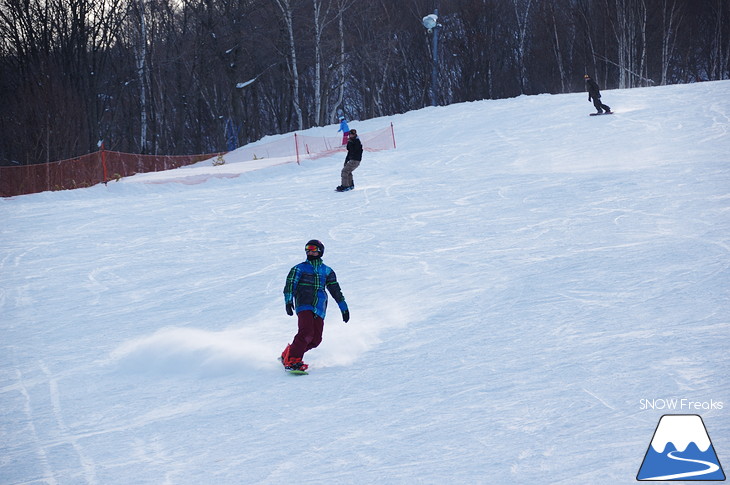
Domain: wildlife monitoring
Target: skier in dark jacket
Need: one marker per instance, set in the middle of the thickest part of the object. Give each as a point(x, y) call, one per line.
point(304, 293)
point(352, 161)
point(594, 94)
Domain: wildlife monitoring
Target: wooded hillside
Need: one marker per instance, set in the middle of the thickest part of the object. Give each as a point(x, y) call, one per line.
point(196, 76)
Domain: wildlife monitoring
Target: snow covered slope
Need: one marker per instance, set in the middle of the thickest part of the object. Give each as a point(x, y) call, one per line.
point(523, 279)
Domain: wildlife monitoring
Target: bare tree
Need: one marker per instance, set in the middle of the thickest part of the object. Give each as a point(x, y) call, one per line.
point(720, 53)
point(630, 20)
point(522, 15)
point(340, 70)
point(287, 17)
point(321, 13)
point(672, 13)
point(141, 59)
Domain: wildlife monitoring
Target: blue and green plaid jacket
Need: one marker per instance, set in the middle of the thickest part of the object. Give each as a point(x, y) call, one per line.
point(305, 287)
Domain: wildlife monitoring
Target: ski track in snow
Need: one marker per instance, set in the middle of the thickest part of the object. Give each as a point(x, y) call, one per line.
point(520, 275)
point(40, 450)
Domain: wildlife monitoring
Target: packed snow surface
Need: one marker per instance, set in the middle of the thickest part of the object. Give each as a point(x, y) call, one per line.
point(529, 288)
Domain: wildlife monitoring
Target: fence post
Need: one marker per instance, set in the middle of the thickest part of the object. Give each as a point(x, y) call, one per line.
point(392, 133)
point(296, 146)
point(103, 163)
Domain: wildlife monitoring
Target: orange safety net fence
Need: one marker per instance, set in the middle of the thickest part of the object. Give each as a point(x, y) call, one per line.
point(104, 165)
point(298, 147)
point(86, 170)
point(317, 147)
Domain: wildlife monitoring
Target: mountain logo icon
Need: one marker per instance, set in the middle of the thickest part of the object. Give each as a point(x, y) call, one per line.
point(681, 450)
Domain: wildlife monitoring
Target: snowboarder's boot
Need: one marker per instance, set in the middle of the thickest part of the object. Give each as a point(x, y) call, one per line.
point(295, 364)
point(285, 355)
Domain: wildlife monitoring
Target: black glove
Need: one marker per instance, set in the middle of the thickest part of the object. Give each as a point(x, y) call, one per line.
point(289, 309)
point(346, 316)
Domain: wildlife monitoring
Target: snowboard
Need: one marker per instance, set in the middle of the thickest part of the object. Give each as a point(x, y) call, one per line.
point(599, 114)
point(298, 372)
point(345, 190)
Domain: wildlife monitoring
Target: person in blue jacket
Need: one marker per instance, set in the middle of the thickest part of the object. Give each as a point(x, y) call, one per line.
point(304, 293)
point(344, 129)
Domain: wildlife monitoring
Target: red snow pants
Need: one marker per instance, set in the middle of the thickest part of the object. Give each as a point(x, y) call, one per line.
point(309, 335)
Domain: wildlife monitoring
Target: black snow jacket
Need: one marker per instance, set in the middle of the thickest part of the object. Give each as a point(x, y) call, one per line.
point(354, 149)
point(593, 90)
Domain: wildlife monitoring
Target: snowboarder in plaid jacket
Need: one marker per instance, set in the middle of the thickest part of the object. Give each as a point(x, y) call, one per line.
point(304, 293)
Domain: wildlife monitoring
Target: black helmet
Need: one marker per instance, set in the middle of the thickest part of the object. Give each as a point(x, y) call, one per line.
point(318, 244)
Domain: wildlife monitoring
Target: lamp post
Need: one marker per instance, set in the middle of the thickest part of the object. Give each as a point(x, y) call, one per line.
point(231, 130)
point(431, 22)
point(234, 127)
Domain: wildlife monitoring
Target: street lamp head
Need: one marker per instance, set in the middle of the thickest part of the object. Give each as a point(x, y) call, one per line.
point(430, 21)
point(243, 85)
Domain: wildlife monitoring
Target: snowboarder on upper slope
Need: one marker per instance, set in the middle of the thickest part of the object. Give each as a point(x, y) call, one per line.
point(594, 94)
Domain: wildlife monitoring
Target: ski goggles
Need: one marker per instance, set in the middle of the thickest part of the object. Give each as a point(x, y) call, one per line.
point(311, 248)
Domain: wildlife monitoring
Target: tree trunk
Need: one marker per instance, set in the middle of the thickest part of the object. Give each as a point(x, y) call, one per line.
point(522, 22)
point(341, 83)
point(142, 78)
point(671, 19)
point(558, 51)
point(286, 12)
